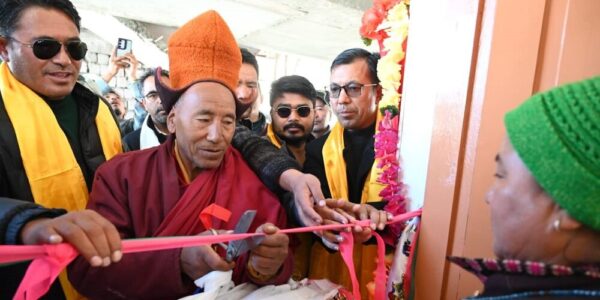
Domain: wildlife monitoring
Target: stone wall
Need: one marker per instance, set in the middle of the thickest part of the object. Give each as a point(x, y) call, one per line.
point(96, 62)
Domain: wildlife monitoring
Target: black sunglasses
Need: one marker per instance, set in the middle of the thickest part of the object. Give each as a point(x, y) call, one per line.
point(286, 111)
point(48, 48)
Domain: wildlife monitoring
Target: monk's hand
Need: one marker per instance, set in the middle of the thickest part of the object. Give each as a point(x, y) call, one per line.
point(307, 191)
point(266, 259)
point(199, 261)
point(378, 220)
point(94, 237)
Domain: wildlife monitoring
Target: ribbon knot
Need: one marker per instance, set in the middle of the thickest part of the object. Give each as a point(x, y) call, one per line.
point(46, 268)
point(61, 252)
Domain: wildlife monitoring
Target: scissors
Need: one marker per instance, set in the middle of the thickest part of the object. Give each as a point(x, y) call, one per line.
point(239, 247)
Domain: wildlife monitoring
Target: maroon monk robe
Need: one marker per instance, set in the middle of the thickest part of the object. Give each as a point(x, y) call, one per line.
point(138, 191)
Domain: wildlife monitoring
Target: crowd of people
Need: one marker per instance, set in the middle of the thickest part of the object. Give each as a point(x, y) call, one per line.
point(198, 139)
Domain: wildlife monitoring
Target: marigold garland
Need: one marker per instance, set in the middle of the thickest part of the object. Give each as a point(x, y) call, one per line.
point(387, 22)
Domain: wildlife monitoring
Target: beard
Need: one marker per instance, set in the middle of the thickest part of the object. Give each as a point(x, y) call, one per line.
point(294, 140)
point(117, 111)
point(160, 117)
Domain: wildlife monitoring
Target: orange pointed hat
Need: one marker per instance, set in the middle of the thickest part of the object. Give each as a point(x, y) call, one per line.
point(204, 49)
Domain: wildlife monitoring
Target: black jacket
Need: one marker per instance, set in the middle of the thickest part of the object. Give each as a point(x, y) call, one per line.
point(259, 127)
point(13, 180)
point(314, 165)
point(14, 183)
point(14, 214)
point(126, 126)
point(131, 141)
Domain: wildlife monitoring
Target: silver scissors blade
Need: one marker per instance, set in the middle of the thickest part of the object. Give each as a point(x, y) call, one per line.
point(246, 245)
point(236, 248)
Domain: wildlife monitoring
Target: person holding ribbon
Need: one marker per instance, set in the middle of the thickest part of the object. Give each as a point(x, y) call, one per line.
point(344, 160)
point(161, 191)
point(54, 131)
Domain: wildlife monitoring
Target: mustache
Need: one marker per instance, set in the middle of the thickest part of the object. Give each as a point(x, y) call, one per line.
point(160, 109)
point(294, 125)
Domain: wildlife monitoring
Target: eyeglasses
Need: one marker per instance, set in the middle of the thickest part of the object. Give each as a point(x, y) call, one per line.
point(351, 89)
point(152, 96)
point(48, 48)
point(285, 111)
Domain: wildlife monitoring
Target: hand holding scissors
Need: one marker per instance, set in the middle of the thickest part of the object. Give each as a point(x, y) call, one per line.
point(266, 259)
point(198, 261)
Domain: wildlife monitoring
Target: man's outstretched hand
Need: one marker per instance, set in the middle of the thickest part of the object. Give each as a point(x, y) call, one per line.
point(307, 192)
point(94, 237)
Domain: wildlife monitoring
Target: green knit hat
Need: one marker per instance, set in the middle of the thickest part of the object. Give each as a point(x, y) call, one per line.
point(557, 135)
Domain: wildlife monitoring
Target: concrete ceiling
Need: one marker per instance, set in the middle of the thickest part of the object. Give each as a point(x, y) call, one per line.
point(313, 28)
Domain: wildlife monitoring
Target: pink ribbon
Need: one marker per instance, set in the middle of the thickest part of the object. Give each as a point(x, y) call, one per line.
point(50, 260)
point(347, 252)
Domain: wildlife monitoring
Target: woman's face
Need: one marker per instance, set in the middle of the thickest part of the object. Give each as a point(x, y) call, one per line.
point(522, 213)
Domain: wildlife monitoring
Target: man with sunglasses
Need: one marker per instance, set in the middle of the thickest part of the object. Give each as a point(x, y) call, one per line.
point(153, 131)
point(348, 152)
point(292, 115)
point(292, 102)
point(54, 131)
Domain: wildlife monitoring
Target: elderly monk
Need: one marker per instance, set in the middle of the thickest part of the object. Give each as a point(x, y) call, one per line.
point(161, 191)
point(545, 200)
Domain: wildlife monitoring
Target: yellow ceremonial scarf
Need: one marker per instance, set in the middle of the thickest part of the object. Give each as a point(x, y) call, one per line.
point(335, 170)
point(272, 137)
point(53, 173)
point(324, 264)
point(184, 171)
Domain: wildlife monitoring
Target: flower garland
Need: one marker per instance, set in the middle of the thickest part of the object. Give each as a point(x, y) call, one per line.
point(387, 22)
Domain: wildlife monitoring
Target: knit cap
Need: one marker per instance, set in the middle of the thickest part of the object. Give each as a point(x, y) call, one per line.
point(203, 49)
point(557, 135)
